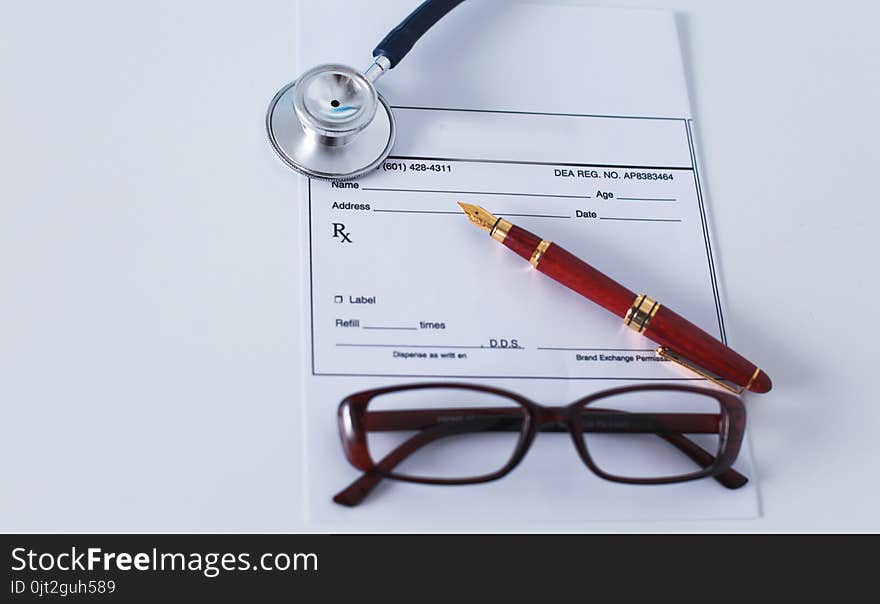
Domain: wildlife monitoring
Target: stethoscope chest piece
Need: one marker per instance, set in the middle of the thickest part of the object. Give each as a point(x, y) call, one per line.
point(331, 123)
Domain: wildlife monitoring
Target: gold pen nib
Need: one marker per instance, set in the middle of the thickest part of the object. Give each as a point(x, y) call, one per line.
point(479, 216)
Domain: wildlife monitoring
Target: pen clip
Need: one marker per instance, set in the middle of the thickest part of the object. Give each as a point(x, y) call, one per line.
point(670, 355)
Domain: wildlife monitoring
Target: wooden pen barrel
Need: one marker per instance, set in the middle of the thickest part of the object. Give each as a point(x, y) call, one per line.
point(579, 276)
point(571, 271)
point(646, 316)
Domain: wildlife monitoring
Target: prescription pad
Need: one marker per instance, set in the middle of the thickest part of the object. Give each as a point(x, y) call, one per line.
point(578, 146)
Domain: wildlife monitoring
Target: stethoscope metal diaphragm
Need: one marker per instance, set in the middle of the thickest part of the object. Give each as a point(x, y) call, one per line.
point(331, 123)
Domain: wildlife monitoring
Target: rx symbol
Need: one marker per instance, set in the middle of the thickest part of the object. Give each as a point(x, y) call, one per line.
point(339, 233)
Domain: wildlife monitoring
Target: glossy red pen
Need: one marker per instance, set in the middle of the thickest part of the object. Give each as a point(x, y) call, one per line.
point(679, 340)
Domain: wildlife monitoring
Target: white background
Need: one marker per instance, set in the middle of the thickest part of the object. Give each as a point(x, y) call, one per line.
point(149, 337)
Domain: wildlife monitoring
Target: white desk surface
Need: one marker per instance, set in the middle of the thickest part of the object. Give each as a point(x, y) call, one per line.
point(149, 342)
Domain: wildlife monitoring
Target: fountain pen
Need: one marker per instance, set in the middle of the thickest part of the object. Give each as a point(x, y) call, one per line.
point(679, 340)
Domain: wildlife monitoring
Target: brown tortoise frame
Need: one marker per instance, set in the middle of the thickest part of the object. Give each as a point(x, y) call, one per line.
point(355, 421)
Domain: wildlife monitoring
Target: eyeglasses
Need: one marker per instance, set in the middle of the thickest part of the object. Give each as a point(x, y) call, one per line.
point(448, 433)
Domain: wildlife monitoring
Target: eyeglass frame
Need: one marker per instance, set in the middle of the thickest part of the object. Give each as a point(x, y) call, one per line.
point(353, 433)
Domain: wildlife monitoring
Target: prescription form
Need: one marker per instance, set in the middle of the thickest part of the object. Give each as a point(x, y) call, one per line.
point(588, 143)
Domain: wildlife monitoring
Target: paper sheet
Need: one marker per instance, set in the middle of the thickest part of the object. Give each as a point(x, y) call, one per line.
point(588, 143)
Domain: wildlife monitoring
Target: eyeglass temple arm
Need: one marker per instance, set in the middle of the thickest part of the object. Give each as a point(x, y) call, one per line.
point(358, 490)
point(593, 420)
point(432, 429)
point(668, 426)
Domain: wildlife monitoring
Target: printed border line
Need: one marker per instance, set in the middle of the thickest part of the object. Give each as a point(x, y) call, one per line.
point(709, 254)
point(311, 280)
point(511, 377)
point(511, 112)
point(538, 163)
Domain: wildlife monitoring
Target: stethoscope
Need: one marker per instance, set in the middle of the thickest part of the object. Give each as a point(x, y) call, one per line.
point(331, 122)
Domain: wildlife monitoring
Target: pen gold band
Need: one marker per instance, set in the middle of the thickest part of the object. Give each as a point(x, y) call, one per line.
point(639, 315)
point(500, 230)
point(539, 252)
point(752, 379)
